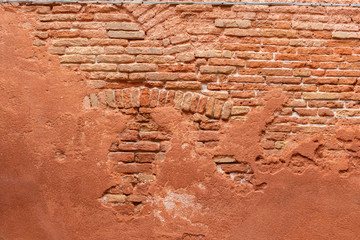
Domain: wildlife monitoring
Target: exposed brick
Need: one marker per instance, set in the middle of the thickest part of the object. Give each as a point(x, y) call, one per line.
point(111, 17)
point(229, 23)
point(116, 77)
point(115, 198)
point(162, 98)
point(98, 67)
point(77, 59)
point(142, 50)
point(306, 112)
point(70, 42)
point(177, 49)
point(126, 97)
point(162, 76)
point(347, 113)
point(237, 110)
point(183, 85)
point(127, 34)
point(186, 102)
point(345, 35)
point(193, 8)
point(57, 17)
point(325, 112)
point(136, 198)
point(137, 67)
point(85, 50)
point(135, 97)
point(225, 62)
point(155, 59)
point(181, 38)
point(170, 98)
point(139, 146)
point(185, 57)
point(218, 108)
point(115, 59)
point(154, 136)
point(213, 54)
point(210, 125)
point(56, 50)
point(202, 104)
point(145, 157)
point(127, 26)
point(121, 157)
point(178, 99)
point(241, 32)
point(209, 110)
point(154, 97)
point(226, 111)
point(110, 98)
point(148, 127)
point(207, 136)
point(108, 42)
point(217, 69)
point(308, 25)
point(146, 177)
point(194, 103)
point(302, 72)
point(320, 96)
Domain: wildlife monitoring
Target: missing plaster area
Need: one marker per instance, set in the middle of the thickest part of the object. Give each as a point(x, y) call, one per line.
point(131, 162)
point(241, 173)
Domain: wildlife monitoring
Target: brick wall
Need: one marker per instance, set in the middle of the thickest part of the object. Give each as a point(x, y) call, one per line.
point(215, 64)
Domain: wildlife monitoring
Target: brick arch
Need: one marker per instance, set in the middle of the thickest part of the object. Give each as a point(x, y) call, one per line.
point(129, 99)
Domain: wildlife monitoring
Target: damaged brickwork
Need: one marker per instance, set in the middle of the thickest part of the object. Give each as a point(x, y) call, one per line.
point(247, 92)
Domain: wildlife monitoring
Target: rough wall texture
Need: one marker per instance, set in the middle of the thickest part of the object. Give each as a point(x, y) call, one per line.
point(179, 122)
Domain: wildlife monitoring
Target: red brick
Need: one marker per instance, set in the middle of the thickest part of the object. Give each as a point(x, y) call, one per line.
point(207, 136)
point(242, 94)
point(210, 125)
point(226, 62)
point(246, 79)
point(194, 103)
point(162, 98)
point(126, 34)
point(183, 85)
point(145, 97)
point(160, 76)
point(306, 112)
point(209, 110)
point(217, 69)
point(127, 98)
point(186, 102)
point(145, 157)
point(170, 98)
point(218, 108)
point(202, 104)
point(325, 112)
point(139, 146)
point(154, 97)
point(121, 157)
point(154, 136)
point(193, 8)
point(115, 59)
point(137, 67)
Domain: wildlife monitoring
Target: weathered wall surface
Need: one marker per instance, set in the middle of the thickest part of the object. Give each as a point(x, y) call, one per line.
point(179, 122)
